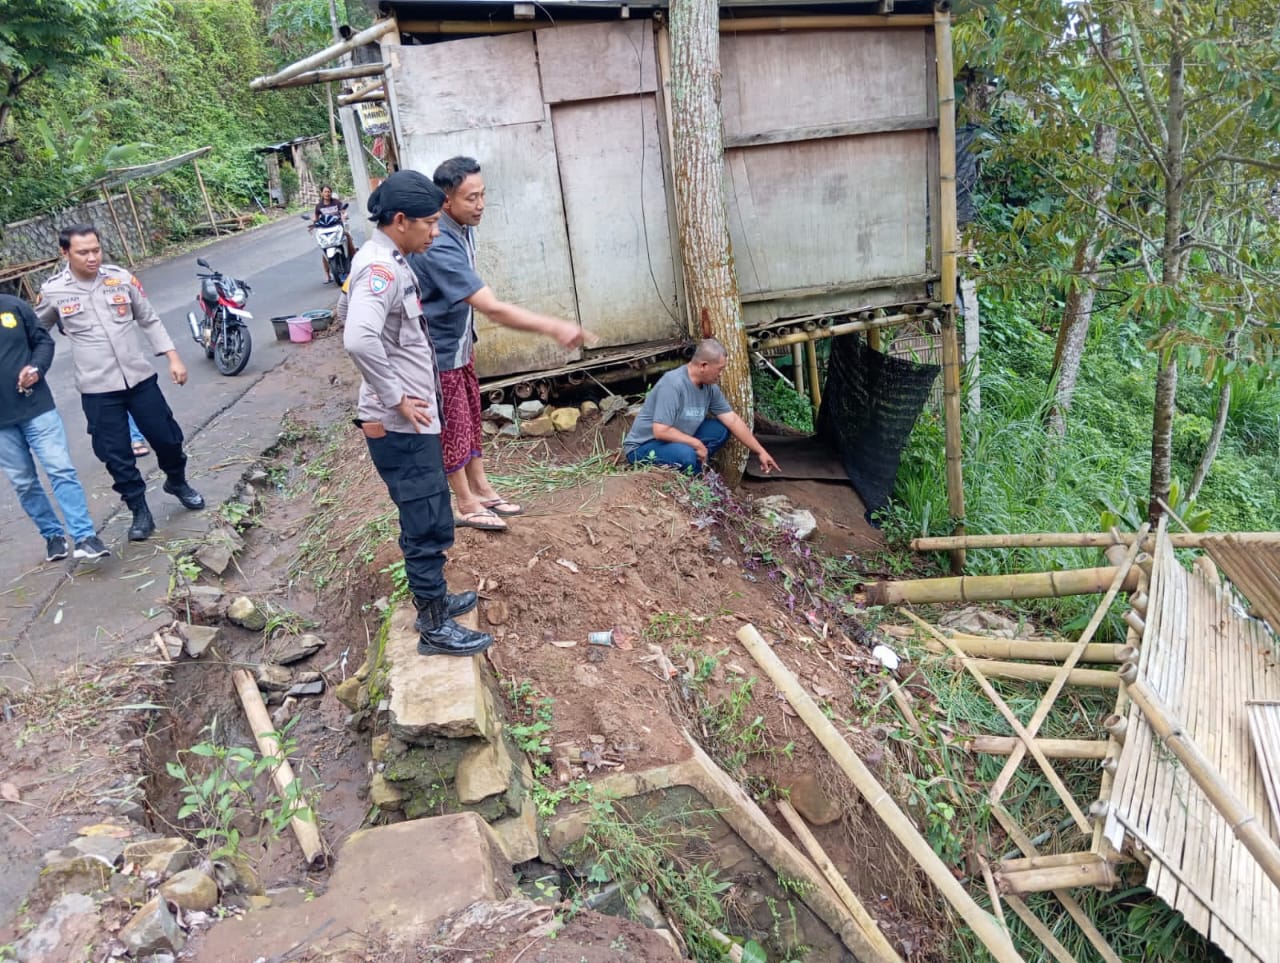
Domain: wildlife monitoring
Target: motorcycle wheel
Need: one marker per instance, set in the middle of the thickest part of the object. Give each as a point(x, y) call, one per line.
point(339, 267)
point(231, 351)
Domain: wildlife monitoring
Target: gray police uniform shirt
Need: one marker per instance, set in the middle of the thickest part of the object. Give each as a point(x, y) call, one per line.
point(106, 320)
point(386, 335)
point(675, 401)
point(447, 272)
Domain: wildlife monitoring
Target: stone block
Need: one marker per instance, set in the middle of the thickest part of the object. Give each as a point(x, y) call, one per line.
point(484, 770)
point(811, 801)
point(348, 692)
point(383, 794)
point(69, 925)
point(518, 835)
point(203, 602)
point(538, 427)
point(153, 929)
point(565, 419)
point(439, 696)
point(164, 857)
point(588, 408)
point(244, 613)
point(532, 408)
point(198, 638)
point(294, 649)
point(191, 890)
point(379, 745)
point(216, 553)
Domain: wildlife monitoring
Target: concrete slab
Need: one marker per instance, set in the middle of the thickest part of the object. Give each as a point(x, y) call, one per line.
point(432, 695)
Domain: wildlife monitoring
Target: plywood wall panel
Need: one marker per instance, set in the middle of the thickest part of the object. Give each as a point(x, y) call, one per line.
point(597, 60)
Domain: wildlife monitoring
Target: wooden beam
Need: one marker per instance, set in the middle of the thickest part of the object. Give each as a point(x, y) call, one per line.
point(829, 22)
point(857, 128)
point(455, 27)
point(321, 58)
point(848, 287)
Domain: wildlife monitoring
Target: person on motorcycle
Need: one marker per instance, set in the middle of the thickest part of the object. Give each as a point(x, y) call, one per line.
point(330, 204)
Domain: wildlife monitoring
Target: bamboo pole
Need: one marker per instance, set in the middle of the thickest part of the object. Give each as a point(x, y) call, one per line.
point(993, 891)
point(264, 732)
point(903, 701)
point(835, 330)
point(983, 925)
point(945, 543)
point(980, 588)
point(111, 208)
point(205, 194)
point(847, 896)
point(137, 221)
point(1042, 932)
point(1027, 672)
point(1081, 858)
point(815, 384)
point(1003, 708)
point(797, 368)
point(1098, 873)
point(829, 22)
point(1029, 650)
point(1052, 748)
point(873, 340)
point(332, 73)
point(1244, 824)
point(322, 57)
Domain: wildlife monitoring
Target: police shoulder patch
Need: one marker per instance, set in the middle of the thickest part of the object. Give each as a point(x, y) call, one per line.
point(380, 278)
point(137, 284)
point(8, 320)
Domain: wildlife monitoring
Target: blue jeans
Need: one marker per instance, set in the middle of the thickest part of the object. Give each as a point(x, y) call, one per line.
point(676, 454)
point(45, 437)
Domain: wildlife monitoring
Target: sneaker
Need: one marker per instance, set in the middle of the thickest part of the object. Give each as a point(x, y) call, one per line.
point(91, 548)
point(55, 548)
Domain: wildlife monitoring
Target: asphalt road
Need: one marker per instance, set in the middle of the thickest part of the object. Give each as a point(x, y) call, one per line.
point(281, 263)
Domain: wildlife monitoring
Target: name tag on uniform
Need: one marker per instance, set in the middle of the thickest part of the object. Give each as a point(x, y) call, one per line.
point(112, 282)
point(412, 306)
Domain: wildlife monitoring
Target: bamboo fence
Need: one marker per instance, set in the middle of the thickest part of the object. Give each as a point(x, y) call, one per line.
point(1188, 788)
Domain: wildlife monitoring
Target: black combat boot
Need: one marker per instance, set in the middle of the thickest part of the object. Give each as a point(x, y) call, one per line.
point(184, 493)
point(143, 525)
point(440, 635)
point(455, 605)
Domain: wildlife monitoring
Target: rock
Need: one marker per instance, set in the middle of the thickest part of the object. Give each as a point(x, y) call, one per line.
point(67, 927)
point(258, 476)
point(129, 890)
point(236, 877)
point(811, 800)
point(771, 504)
point(588, 408)
point(313, 688)
point(778, 511)
point(191, 890)
point(518, 835)
point(502, 414)
point(489, 427)
point(613, 403)
point(495, 612)
point(199, 638)
point(203, 602)
point(244, 613)
point(378, 746)
point(280, 718)
point(432, 696)
point(153, 929)
point(383, 794)
point(170, 643)
point(163, 857)
point(509, 431)
point(538, 427)
point(565, 419)
point(216, 553)
point(645, 912)
point(530, 409)
point(84, 874)
point(802, 523)
point(257, 901)
point(290, 650)
point(348, 693)
point(106, 849)
point(272, 678)
point(484, 770)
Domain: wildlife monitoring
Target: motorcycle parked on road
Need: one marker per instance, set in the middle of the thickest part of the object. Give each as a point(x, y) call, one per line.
point(222, 327)
point(331, 235)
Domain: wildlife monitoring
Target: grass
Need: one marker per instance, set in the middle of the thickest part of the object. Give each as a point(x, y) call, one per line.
point(539, 476)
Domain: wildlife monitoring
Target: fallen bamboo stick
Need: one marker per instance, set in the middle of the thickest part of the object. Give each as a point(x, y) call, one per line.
point(1098, 873)
point(993, 891)
point(986, 588)
point(1096, 652)
point(903, 701)
point(847, 896)
point(264, 732)
point(1050, 860)
point(984, 926)
point(1042, 932)
point(945, 543)
point(1003, 708)
point(1053, 748)
point(1091, 678)
point(1244, 824)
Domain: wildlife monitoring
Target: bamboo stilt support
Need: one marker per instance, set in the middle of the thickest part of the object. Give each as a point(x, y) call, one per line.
point(264, 732)
point(1052, 748)
point(874, 340)
point(847, 896)
point(1117, 725)
point(986, 588)
point(1135, 621)
point(111, 208)
point(797, 368)
point(205, 194)
point(815, 384)
point(1069, 902)
point(1100, 653)
point(1003, 707)
point(945, 543)
point(1244, 824)
point(1042, 932)
point(1098, 873)
point(1088, 678)
point(137, 221)
point(983, 925)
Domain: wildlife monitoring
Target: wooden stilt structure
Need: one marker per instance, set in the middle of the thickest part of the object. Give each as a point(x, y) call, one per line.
point(137, 221)
point(213, 221)
point(124, 241)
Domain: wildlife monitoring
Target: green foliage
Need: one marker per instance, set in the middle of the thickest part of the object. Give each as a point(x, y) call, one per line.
point(779, 401)
point(218, 791)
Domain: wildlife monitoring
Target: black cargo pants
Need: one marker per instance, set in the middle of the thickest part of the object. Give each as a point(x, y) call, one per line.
point(412, 466)
point(107, 414)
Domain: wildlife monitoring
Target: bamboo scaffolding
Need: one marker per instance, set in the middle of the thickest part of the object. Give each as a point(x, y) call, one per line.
point(1015, 723)
point(847, 896)
point(1244, 824)
point(1052, 748)
point(264, 732)
point(987, 588)
point(1102, 653)
point(944, 543)
point(322, 57)
point(983, 925)
point(1026, 672)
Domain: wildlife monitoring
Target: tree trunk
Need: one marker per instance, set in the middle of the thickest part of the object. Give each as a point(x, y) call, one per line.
point(1215, 439)
point(1077, 313)
point(697, 138)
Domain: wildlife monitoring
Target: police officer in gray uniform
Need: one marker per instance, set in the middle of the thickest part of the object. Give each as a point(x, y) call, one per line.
point(104, 311)
point(398, 407)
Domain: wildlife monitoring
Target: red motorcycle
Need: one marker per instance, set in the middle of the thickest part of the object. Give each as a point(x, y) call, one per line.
point(222, 328)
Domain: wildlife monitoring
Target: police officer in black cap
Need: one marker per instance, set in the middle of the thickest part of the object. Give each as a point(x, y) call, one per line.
point(399, 413)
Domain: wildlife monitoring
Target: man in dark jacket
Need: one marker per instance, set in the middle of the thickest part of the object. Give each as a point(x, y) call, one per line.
point(30, 426)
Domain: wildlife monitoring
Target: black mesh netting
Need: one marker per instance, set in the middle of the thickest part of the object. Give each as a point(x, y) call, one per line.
point(869, 404)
